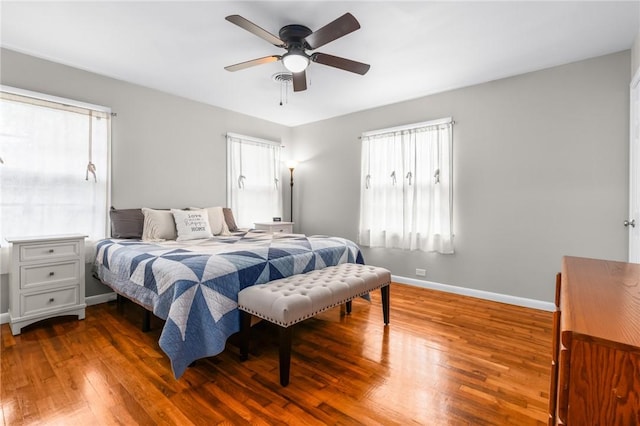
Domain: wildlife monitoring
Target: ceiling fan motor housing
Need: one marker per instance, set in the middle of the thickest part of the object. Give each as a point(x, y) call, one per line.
point(293, 35)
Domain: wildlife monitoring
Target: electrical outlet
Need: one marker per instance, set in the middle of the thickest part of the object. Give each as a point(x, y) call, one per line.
point(421, 272)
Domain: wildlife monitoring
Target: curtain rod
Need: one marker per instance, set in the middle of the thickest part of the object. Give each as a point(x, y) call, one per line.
point(22, 95)
point(251, 139)
point(447, 120)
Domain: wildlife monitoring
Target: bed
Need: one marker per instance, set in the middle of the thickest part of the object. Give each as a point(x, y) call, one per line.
point(193, 285)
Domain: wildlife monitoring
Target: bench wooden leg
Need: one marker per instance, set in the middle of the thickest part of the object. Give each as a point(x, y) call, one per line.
point(385, 303)
point(348, 306)
point(245, 334)
point(285, 354)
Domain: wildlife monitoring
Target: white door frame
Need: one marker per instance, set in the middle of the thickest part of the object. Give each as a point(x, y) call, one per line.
point(634, 160)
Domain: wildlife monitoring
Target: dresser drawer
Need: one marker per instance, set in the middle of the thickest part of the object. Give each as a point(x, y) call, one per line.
point(51, 274)
point(36, 303)
point(49, 251)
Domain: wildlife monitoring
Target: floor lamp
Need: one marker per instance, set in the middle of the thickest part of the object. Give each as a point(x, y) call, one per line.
point(292, 165)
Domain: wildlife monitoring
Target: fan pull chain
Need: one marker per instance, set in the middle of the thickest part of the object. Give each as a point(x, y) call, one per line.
point(284, 92)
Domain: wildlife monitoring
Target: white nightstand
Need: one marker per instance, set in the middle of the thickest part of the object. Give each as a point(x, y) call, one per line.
point(46, 279)
point(275, 227)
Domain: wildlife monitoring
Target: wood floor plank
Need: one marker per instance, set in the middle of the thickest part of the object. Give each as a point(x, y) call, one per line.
point(445, 359)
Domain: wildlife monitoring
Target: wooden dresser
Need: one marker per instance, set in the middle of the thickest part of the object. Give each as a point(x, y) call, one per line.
point(595, 376)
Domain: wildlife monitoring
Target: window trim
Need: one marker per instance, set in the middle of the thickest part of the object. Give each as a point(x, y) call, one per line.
point(73, 106)
point(401, 130)
point(69, 105)
point(229, 163)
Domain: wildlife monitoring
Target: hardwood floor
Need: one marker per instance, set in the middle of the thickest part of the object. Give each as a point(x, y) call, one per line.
point(444, 360)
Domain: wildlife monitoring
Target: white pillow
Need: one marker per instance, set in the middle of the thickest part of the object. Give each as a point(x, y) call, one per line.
point(158, 225)
point(216, 221)
point(192, 224)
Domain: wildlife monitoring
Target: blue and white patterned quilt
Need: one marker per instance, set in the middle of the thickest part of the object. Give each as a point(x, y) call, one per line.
point(194, 285)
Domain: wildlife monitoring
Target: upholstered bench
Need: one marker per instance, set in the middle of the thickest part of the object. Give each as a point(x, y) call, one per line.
point(288, 301)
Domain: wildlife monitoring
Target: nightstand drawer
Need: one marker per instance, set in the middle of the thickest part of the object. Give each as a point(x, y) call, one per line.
point(49, 251)
point(52, 274)
point(35, 303)
point(275, 227)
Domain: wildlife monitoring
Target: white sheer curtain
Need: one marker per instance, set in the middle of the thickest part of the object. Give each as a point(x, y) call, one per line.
point(54, 174)
point(254, 191)
point(406, 193)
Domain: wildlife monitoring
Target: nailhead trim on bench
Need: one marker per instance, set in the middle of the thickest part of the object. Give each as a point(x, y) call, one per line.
point(307, 316)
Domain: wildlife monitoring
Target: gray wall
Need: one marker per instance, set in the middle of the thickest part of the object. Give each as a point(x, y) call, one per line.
point(540, 171)
point(167, 151)
point(540, 165)
point(635, 55)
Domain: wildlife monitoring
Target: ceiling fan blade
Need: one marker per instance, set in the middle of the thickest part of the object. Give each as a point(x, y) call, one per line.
point(299, 81)
point(342, 63)
point(253, 63)
point(342, 26)
point(254, 29)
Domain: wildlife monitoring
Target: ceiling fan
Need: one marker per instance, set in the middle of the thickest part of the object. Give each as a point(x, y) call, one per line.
point(297, 39)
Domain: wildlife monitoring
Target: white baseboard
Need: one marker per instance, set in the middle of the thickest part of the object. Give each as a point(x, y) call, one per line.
point(480, 294)
point(91, 300)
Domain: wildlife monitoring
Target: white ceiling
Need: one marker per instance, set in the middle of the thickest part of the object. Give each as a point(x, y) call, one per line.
point(414, 48)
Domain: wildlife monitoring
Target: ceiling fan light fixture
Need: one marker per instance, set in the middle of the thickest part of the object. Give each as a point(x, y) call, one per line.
point(295, 61)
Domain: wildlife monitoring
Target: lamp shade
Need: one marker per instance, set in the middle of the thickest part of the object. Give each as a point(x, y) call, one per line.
point(295, 61)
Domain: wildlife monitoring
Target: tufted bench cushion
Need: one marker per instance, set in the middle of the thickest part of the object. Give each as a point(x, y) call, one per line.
point(293, 299)
point(290, 300)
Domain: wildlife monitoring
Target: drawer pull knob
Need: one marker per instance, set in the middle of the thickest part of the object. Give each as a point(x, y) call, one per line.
point(51, 273)
point(51, 250)
point(51, 300)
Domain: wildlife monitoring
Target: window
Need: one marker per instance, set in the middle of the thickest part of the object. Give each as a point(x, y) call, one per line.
point(54, 168)
point(406, 193)
point(253, 179)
